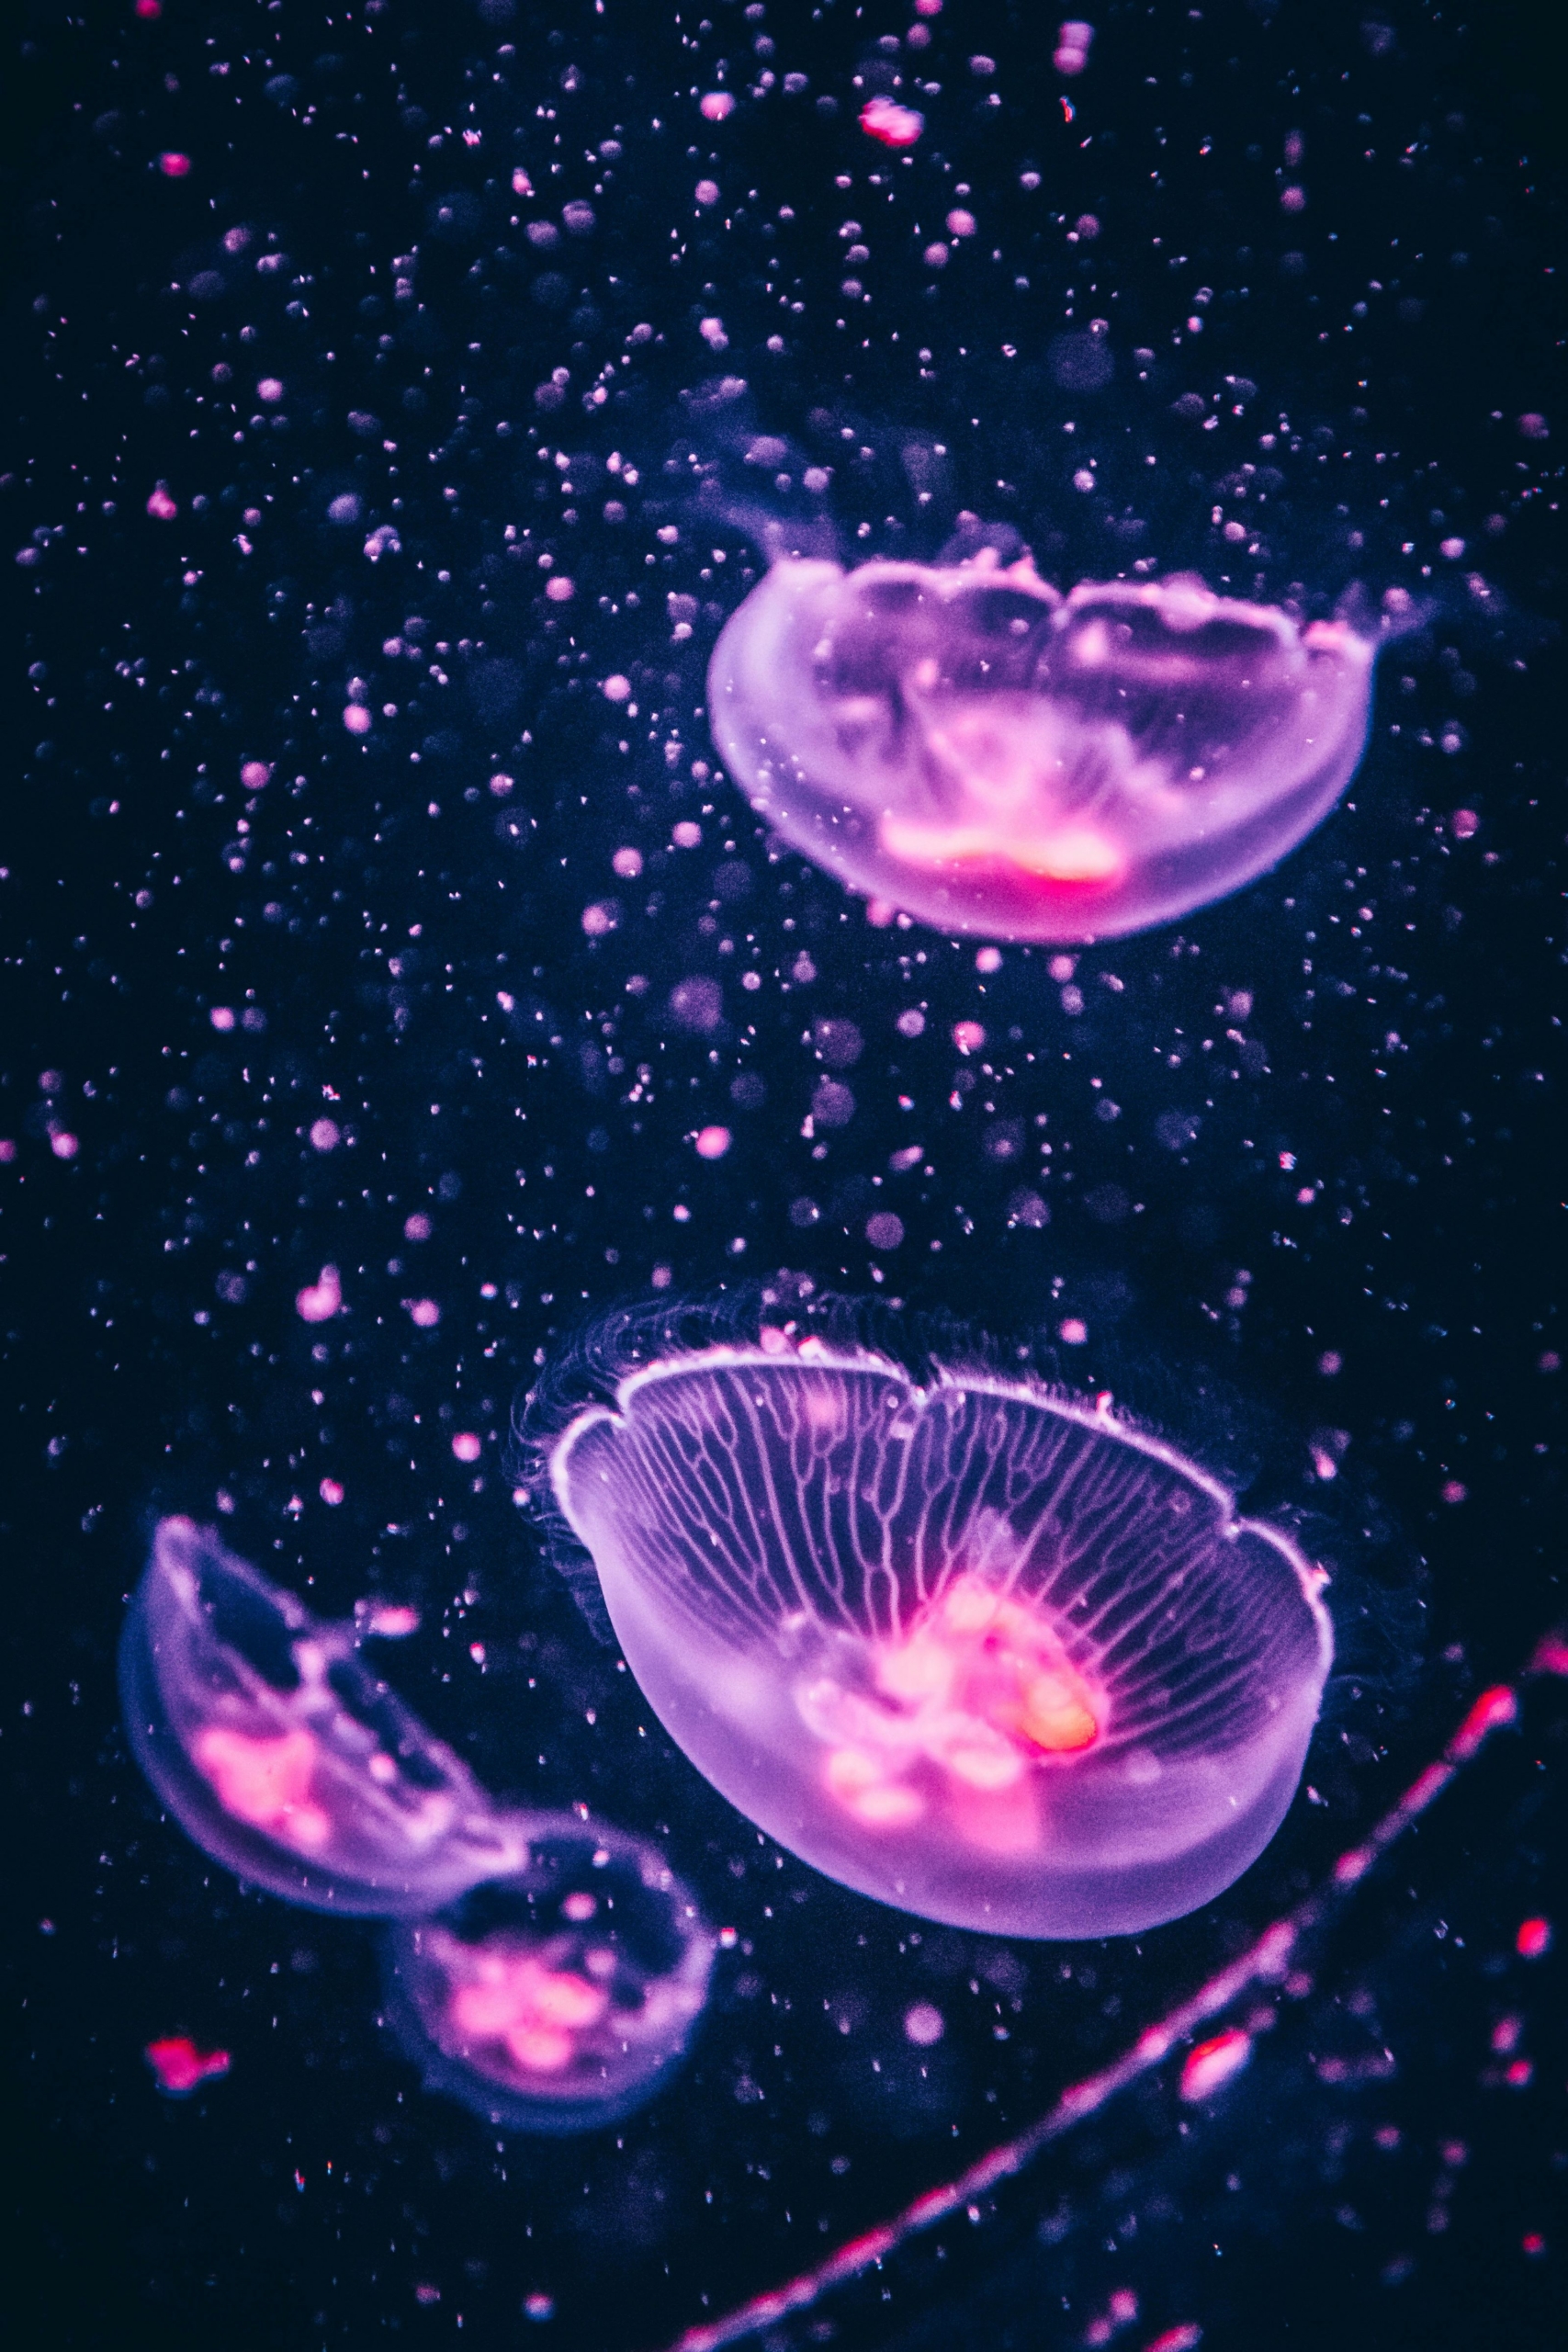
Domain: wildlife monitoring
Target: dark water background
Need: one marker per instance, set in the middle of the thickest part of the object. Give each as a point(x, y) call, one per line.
point(404, 953)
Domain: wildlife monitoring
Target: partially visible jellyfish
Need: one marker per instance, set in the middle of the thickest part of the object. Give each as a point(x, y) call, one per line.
point(974, 1648)
point(557, 1998)
point(996, 758)
point(278, 1751)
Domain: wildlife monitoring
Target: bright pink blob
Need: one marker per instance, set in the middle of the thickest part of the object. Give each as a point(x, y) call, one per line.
point(890, 124)
point(973, 1648)
point(972, 747)
point(180, 2067)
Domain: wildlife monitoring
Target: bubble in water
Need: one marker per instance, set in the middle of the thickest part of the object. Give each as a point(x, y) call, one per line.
point(555, 1998)
point(278, 1751)
point(973, 1647)
point(996, 758)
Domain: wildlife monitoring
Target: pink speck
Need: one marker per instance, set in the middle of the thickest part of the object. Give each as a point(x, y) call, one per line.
point(1185, 2338)
point(223, 1017)
point(968, 1036)
point(600, 918)
point(1533, 2243)
point(1215, 2062)
point(1533, 1939)
point(890, 124)
point(628, 864)
point(520, 184)
point(173, 165)
point(161, 507)
point(880, 913)
point(924, 2024)
point(1466, 824)
point(706, 192)
point(1454, 1490)
point(269, 388)
point(64, 1145)
point(1292, 199)
point(423, 1312)
point(713, 1142)
point(501, 785)
point(617, 688)
point(176, 2062)
point(7, 1150)
point(718, 105)
point(935, 256)
point(320, 1300)
point(417, 1227)
point(989, 959)
point(1532, 426)
point(254, 774)
point(1330, 1363)
point(392, 1620)
point(540, 2307)
point(467, 1445)
point(885, 1231)
point(928, 7)
point(331, 1493)
point(961, 223)
point(560, 590)
point(686, 834)
point(326, 1135)
point(356, 719)
point(149, 10)
point(1072, 1333)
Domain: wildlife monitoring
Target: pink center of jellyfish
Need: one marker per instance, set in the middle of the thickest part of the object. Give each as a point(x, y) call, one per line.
point(533, 2011)
point(265, 1783)
point(979, 1691)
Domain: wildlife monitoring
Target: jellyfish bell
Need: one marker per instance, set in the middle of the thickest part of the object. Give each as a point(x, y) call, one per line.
point(996, 758)
point(969, 1646)
point(279, 1752)
point(557, 1998)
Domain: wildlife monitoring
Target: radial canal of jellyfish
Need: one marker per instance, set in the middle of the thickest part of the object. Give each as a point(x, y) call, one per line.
point(975, 1648)
point(554, 1999)
point(282, 1754)
point(996, 758)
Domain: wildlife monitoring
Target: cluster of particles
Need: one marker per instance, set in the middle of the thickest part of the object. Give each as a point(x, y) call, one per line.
point(545, 1970)
point(975, 1648)
point(967, 744)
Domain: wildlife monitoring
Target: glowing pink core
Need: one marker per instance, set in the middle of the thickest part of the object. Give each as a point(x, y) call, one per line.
point(266, 1782)
point(981, 1689)
point(536, 2012)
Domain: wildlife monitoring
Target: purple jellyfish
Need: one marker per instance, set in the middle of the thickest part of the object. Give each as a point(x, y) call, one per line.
point(975, 1648)
point(555, 1999)
point(277, 1750)
point(996, 758)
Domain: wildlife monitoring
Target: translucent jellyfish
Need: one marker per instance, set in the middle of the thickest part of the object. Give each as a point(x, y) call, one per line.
point(279, 1752)
point(996, 758)
point(975, 1648)
point(557, 1998)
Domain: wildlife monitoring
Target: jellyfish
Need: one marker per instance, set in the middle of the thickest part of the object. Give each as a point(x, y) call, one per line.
point(993, 757)
point(278, 1751)
point(557, 1998)
point(973, 1647)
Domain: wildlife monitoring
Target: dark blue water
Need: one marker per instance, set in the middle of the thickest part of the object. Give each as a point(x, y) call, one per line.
point(1285, 1180)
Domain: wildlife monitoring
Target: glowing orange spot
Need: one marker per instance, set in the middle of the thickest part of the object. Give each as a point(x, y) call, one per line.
point(266, 1782)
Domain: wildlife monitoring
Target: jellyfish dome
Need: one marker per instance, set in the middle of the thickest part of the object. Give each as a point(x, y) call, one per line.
point(996, 758)
point(972, 1647)
point(555, 1998)
point(278, 1751)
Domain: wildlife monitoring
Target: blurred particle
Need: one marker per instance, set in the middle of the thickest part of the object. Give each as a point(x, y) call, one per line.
point(1215, 2062)
point(320, 1300)
point(173, 165)
point(161, 507)
point(467, 1445)
point(325, 1135)
point(180, 2067)
point(924, 2024)
point(1074, 40)
point(890, 124)
point(713, 1142)
point(1534, 1938)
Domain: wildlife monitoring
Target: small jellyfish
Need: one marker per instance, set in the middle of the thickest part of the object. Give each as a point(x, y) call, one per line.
point(557, 1998)
point(278, 1751)
point(996, 758)
point(973, 1648)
